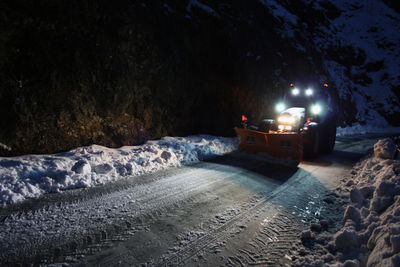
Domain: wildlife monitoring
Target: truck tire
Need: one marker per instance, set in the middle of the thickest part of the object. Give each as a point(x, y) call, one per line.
point(331, 140)
point(312, 149)
point(328, 143)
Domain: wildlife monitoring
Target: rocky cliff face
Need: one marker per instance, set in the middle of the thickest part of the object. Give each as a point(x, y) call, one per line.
point(74, 73)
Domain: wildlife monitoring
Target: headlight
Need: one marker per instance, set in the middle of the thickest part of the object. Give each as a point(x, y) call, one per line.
point(316, 109)
point(286, 119)
point(282, 127)
point(309, 92)
point(280, 107)
point(295, 91)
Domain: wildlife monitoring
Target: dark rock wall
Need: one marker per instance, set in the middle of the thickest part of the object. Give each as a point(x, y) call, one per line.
point(115, 73)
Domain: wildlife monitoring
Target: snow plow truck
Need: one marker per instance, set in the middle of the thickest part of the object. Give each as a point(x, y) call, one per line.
point(305, 126)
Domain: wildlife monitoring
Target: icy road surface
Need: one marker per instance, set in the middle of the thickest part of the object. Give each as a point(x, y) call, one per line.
point(232, 210)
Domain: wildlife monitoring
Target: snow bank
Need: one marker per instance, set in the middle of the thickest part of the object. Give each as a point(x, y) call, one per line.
point(366, 129)
point(204, 7)
point(370, 234)
point(31, 176)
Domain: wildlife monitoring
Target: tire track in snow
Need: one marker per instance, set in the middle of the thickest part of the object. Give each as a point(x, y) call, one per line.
point(59, 230)
point(182, 256)
point(20, 231)
point(275, 242)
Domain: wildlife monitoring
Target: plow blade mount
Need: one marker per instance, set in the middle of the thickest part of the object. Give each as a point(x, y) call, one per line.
point(282, 148)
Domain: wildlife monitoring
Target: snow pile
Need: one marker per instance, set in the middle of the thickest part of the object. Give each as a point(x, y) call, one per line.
point(366, 129)
point(204, 7)
point(280, 12)
point(370, 235)
point(5, 147)
point(31, 176)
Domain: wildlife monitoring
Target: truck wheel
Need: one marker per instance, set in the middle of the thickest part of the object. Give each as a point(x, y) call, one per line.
point(316, 144)
point(313, 148)
point(330, 138)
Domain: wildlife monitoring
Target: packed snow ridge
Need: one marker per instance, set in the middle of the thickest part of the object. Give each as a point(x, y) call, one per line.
point(31, 176)
point(357, 128)
point(370, 234)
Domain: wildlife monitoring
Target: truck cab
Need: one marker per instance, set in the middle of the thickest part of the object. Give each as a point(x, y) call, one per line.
point(306, 110)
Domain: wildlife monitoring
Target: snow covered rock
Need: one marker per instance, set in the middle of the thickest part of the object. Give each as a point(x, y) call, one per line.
point(351, 263)
point(379, 204)
point(353, 214)
point(82, 167)
point(103, 168)
point(356, 196)
point(386, 188)
point(394, 229)
point(306, 236)
point(166, 155)
point(346, 240)
point(329, 199)
point(395, 241)
point(380, 251)
point(384, 148)
point(367, 190)
point(324, 224)
point(315, 227)
point(395, 261)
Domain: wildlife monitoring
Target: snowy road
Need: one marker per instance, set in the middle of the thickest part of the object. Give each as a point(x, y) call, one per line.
point(229, 211)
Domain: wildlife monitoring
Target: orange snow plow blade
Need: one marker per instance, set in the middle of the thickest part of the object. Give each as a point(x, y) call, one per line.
point(284, 148)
